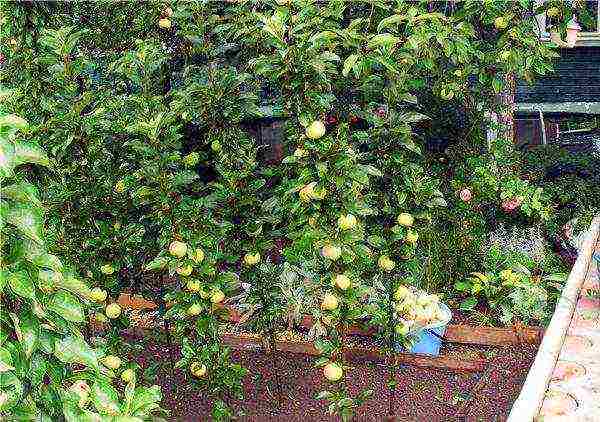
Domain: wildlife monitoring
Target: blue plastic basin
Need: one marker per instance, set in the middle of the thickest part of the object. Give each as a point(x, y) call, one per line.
point(428, 343)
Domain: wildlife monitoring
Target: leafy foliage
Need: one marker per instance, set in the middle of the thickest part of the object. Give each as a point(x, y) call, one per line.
point(43, 310)
point(343, 144)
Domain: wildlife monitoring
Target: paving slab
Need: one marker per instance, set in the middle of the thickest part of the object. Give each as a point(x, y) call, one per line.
point(573, 394)
point(563, 384)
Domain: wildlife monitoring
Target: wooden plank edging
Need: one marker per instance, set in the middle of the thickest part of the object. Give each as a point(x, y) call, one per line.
point(527, 406)
point(455, 333)
point(244, 342)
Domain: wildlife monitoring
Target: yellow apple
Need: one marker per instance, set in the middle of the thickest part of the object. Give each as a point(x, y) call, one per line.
point(193, 285)
point(342, 282)
point(107, 269)
point(385, 263)
point(128, 375)
point(402, 328)
point(552, 12)
point(346, 222)
point(331, 252)
point(401, 293)
point(216, 146)
point(100, 317)
point(194, 309)
point(185, 270)
point(300, 153)
point(164, 23)
point(412, 237)
point(198, 255)
point(252, 259)
point(198, 369)
point(333, 372)
point(307, 192)
point(111, 361)
point(98, 294)
point(500, 23)
point(178, 249)
point(120, 186)
point(329, 302)
point(113, 310)
point(316, 130)
point(217, 296)
point(405, 219)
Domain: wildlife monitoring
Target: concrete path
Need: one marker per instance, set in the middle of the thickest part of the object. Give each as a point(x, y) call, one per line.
point(573, 394)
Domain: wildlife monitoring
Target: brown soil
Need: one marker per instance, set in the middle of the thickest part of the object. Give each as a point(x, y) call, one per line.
point(422, 394)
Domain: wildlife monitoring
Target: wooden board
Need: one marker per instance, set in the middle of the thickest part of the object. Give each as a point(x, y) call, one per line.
point(255, 343)
point(492, 336)
point(466, 334)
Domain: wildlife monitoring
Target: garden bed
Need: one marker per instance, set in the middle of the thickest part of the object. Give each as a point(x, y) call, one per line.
point(479, 370)
point(432, 394)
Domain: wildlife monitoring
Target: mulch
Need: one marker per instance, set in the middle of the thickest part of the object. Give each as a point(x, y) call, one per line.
point(421, 394)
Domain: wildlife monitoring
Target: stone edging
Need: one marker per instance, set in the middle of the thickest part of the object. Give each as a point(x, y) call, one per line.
point(529, 402)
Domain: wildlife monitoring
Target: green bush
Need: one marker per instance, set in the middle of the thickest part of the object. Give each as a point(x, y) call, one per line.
point(570, 180)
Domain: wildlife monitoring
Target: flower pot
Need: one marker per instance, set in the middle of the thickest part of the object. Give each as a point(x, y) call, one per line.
point(429, 338)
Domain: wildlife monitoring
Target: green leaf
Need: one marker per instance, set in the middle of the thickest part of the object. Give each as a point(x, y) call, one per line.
point(556, 277)
point(461, 286)
point(6, 360)
point(73, 285)
point(389, 21)
point(67, 306)
point(145, 400)
point(349, 64)
point(30, 332)
point(383, 40)
point(21, 192)
point(105, 398)
point(468, 304)
point(320, 37)
point(20, 283)
point(27, 153)
point(376, 241)
point(12, 387)
point(413, 117)
point(46, 260)
point(38, 367)
point(185, 177)
point(27, 220)
point(158, 263)
point(7, 158)
point(373, 171)
point(74, 349)
point(12, 122)
point(437, 202)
